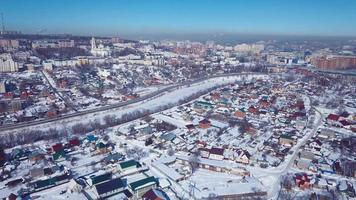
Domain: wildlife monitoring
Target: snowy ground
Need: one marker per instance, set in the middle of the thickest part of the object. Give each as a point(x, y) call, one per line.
point(165, 99)
point(59, 192)
point(203, 183)
point(146, 90)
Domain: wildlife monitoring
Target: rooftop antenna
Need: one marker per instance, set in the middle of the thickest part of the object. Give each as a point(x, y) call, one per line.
point(2, 23)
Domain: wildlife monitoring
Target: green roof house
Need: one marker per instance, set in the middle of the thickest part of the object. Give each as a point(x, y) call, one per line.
point(128, 165)
point(140, 187)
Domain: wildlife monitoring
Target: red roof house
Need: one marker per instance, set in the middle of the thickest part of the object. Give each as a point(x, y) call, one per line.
point(57, 147)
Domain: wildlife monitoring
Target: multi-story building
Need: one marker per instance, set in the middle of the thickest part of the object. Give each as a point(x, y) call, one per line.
point(334, 62)
point(65, 43)
point(47, 66)
point(254, 48)
point(43, 44)
point(7, 64)
point(9, 44)
point(2, 87)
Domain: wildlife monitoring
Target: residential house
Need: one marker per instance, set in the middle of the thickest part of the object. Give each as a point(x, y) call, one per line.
point(333, 119)
point(345, 123)
point(12, 196)
point(327, 134)
point(57, 147)
point(190, 127)
point(36, 156)
point(168, 137)
point(50, 182)
point(302, 181)
point(36, 172)
point(155, 194)
point(204, 152)
point(171, 173)
point(19, 154)
point(113, 158)
point(91, 138)
point(101, 148)
point(214, 165)
point(305, 154)
point(109, 188)
point(140, 187)
point(74, 142)
point(316, 145)
point(129, 165)
point(204, 124)
point(203, 105)
point(253, 110)
point(59, 156)
point(216, 153)
point(286, 140)
point(242, 156)
point(43, 184)
point(239, 114)
point(303, 164)
point(96, 179)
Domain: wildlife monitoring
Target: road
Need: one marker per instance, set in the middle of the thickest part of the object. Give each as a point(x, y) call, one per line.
point(117, 105)
point(290, 163)
point(66, 102)
point(304, 140)
point(277, 172)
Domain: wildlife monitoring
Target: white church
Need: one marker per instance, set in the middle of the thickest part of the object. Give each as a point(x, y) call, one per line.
point(99, 50)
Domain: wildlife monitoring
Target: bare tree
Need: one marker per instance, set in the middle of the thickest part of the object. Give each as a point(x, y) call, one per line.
point(194, 160)
point(170, 151)
point(79, 128)
point(110, 120)
point(286, 185)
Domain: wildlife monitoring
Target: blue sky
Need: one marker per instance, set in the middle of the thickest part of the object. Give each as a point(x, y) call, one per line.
point(125, 17)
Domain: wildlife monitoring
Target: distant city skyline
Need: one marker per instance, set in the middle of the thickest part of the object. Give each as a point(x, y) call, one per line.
point(159, 18)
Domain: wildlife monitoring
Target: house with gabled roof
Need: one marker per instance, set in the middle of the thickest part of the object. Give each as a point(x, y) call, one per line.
point(37, 172)
point(242, 156)
point(333, 119)
point(113, 158)
point(59, 156)
point(190, 127)
point(36, 156)
point(91, 138)
point(50, 182)
point(155, 194)
point(204, 124)
point(286, 140)
point(239, 114)
point(204, 152)
point(140, 187)
point(101, 148)
point(109, 188)
point(302, 181)
point(253, 110)
point(96, 179)
point(129, 165)
point(57, 147)
point(74, 142)
point(19, 154)
point(203, 105)
point(216, 153)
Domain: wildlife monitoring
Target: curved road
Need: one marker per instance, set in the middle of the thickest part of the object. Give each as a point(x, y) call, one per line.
point(118, 105)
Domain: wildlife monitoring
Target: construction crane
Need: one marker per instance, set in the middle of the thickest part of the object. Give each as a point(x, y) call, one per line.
point(2, 23)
